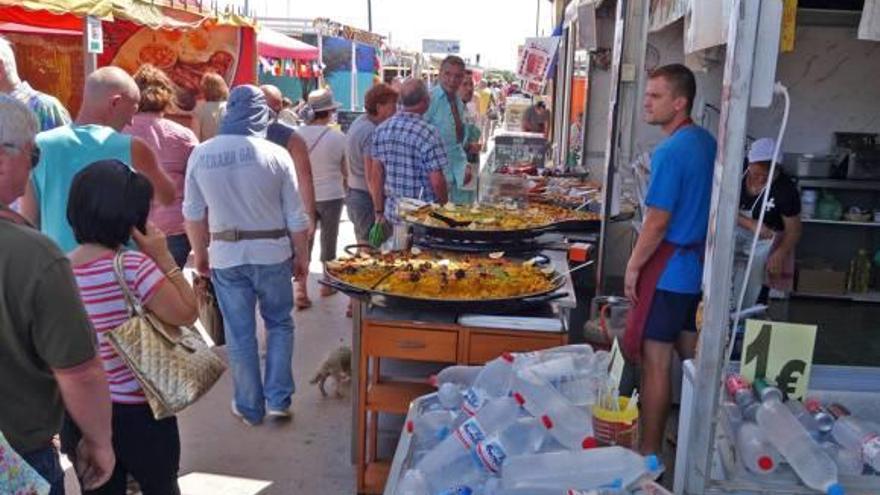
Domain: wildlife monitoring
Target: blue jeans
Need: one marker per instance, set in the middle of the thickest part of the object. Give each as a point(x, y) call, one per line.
point(179, 247)
point(46, 463)
point(239, 289)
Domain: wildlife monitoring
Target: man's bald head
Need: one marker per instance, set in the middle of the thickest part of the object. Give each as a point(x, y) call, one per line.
point(274, 98)
point(110, 98)
point(414, 95)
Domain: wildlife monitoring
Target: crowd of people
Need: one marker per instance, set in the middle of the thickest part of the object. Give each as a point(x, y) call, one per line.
point(238, 196)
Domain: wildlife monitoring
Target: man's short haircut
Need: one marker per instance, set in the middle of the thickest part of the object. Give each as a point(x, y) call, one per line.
point(452, 60)
point(214, 87)
point(379, 94)
point(18, 124)
point(680, 79)
point(413, 93)
point(106, 200)
point(157, 90)
point(7, 57)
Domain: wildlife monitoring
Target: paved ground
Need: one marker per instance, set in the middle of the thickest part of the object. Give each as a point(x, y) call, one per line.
point(309, 455)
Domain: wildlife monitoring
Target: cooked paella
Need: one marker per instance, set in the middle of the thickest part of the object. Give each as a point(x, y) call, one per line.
point(495, 216)
point(444, 276)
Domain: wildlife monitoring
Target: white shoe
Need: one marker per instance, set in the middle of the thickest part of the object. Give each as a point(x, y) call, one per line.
point(240, 416)
point(279, 413)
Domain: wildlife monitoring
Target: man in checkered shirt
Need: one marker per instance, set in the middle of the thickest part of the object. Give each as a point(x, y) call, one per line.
point(408, 156)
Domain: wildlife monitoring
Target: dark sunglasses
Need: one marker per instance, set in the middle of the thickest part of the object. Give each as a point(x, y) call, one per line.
point(35, 152)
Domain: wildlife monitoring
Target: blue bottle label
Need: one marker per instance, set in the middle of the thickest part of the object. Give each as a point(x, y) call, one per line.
point(492, 455)
point(470, 433)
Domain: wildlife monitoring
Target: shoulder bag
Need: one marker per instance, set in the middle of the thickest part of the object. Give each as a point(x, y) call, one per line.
point(173, 365)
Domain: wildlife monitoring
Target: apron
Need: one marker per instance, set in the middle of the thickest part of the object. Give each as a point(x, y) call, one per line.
point(646, 286)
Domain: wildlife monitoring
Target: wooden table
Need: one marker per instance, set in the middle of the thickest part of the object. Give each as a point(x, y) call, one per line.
point(418, 337)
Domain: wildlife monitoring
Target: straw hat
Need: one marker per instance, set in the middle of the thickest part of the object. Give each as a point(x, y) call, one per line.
point(322, 99)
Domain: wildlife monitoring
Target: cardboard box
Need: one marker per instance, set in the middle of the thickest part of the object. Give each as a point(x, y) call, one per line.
point(821, 281)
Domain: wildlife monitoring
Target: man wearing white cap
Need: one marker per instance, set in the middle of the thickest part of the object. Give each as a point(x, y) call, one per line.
point(782, 224)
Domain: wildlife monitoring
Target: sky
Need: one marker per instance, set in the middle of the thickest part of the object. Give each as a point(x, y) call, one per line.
point(492, 28)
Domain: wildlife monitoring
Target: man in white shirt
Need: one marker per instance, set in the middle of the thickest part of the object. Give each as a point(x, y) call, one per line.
point(248, 229)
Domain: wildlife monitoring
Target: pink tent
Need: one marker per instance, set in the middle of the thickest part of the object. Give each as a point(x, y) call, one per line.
point(271, 43)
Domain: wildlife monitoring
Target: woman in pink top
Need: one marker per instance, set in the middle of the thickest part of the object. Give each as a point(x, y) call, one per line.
point(172, 144)
point(108, 206)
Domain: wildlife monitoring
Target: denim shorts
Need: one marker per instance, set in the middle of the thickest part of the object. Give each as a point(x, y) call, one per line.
point(670, 314)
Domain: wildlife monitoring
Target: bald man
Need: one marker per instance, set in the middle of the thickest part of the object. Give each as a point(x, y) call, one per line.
point(110, 99)
point(285, 136)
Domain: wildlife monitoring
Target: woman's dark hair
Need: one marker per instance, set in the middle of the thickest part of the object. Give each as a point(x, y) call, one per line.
point(323, 114)
point(106, 200)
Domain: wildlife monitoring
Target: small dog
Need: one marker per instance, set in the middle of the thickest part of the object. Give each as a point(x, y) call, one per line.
point(338, 365)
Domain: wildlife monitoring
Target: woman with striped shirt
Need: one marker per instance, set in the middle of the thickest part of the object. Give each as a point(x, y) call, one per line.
point(108, 206)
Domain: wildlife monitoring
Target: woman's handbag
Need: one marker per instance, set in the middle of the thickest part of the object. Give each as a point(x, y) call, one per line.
point(173, 365)
point(16, 476)
point(209, 309)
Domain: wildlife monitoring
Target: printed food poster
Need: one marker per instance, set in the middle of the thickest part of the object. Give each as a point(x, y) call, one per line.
point(184, 55)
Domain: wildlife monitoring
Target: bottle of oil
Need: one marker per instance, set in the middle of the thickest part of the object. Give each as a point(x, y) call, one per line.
point(859, 273)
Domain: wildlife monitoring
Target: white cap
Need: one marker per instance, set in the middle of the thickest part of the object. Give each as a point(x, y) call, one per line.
point(762, 150)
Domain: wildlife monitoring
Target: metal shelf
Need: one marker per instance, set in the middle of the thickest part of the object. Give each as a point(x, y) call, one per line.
point(841, 222)
point(867, 185)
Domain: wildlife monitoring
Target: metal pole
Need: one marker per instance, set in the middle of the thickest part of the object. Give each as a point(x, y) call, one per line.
point(735, 94)
point(565, 129)
point(611, 141)
point(370, 15)
point(354, 75)
point(538, 19)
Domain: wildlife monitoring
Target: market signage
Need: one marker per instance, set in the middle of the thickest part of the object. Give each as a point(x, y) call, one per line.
point(94, 35)
point(535, 63)
point(441, 46)
point(780, 353)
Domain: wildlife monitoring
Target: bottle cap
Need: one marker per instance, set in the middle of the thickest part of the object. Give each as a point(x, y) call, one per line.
point(765, 462)
point(836, 489)
point(652, 463)
point(766, 391)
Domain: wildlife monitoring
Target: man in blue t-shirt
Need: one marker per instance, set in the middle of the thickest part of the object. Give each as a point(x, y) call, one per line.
point(664, 272)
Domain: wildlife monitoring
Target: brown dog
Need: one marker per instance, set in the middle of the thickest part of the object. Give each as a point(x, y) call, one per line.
point(338, 365)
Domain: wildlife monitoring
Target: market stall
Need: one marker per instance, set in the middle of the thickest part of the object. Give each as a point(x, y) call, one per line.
point(289, 63)
point(184, 40)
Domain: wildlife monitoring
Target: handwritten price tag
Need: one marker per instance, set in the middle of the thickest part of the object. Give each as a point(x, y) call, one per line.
point(781, 353)
point(617, 363)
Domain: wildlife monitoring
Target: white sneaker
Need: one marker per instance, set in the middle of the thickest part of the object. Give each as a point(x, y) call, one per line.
point(240, 416)
point(279, 413)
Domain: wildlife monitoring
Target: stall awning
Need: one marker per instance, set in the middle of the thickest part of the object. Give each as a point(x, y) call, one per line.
point(61, 14)
point(14, 27)
point(271, 43)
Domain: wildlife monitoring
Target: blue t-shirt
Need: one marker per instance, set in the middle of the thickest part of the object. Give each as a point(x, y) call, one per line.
point(64, 151)
point(681, 184)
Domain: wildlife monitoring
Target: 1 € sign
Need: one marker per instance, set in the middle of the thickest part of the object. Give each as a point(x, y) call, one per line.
point(782, 353)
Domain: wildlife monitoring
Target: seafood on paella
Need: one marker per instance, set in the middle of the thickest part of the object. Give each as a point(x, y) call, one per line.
point(491, 217)
point(443, 276)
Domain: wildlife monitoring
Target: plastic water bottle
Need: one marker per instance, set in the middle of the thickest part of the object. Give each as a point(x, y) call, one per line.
point(412, 483)
point(460, 375)
point(814, 467)
point(496, 415)
point(824, 419)
point(431, 428)
point(848, 461)
point(493, 380)
point(585, 469)
point(571, 425)
point(754, 452)
point(856, 435)
point(449, 395)
point(808, 420)
point(741, 392)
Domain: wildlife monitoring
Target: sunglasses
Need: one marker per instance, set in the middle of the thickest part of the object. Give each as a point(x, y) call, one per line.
point(35, 152)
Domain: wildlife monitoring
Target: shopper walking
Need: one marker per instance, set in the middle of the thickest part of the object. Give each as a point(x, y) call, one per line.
point(110, 100)
point(326, 148)
point(208, 113)
point(49, 111)
point(49, 360)
point(109, 205)
point(380, 103)
point(408, 156)
point(243, 186)
point(472, 133)
point(664, 273)
point(172, 143)
point(446, 113)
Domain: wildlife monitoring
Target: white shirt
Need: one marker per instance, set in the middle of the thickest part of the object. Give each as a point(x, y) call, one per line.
point(328, 159)
point(245, 183)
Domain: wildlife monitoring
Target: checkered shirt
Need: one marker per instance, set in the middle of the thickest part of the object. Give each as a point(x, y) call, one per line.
point(409, 149)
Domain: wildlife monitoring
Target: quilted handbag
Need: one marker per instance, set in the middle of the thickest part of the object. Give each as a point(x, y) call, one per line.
point(173, 365)
point(16, 476)
point(209, 309)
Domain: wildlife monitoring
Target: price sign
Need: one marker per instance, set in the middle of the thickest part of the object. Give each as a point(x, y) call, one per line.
point(94, 35)
point(615, 370)
point(781, 353)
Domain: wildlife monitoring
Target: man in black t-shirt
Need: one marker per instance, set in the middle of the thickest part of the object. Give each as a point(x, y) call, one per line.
point(782, 221)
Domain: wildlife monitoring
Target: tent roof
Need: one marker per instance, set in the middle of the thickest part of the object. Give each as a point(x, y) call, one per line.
point(271, 43)
point(14, 27)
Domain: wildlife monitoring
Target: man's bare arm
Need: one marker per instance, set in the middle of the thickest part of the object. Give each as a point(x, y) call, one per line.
point(145, 162)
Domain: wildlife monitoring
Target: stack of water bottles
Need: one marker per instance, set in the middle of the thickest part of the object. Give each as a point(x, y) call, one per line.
point(818, 442)
point(521, 424)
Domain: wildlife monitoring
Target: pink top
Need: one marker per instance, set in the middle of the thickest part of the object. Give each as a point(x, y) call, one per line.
point(105, 304)
point(172, 144)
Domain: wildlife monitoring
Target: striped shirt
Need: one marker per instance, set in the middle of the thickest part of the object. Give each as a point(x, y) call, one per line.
point(105, 304)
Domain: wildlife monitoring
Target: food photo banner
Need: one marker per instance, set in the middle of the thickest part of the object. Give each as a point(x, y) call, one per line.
point(535, 62)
